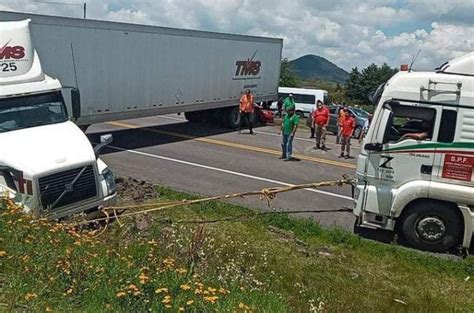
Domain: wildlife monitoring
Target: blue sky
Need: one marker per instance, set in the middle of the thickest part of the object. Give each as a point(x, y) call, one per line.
point(347, 32)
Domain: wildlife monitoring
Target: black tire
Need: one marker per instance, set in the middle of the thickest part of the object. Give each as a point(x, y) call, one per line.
point(193, 117)
point(357, 132)
point(432, 226)
point(231, 117)
point(300, 114)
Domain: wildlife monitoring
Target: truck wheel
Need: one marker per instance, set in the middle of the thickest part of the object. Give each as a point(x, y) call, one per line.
point(300, 114)
point(231, 117)
point(433, 226)
point(357, 132)
point(193, 117)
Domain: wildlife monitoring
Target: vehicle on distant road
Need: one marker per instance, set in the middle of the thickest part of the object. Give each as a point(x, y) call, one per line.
point(360, 115)
point(305, 99)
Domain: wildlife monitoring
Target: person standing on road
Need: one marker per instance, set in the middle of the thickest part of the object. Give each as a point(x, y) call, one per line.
point(280, 107)
point(320, 121)
point(310, 120)
point(341, 115)
point(246, 110)
point(348, 128)
point(288, 103)
point(288, 131)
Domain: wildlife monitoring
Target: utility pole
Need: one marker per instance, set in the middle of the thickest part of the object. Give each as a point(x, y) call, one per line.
point(85, 10)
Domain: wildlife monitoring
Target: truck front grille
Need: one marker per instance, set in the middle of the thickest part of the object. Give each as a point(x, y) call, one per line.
point(52, 186)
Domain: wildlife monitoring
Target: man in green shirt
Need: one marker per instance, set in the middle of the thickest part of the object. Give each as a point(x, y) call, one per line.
point(288, 103)
point(288, 131)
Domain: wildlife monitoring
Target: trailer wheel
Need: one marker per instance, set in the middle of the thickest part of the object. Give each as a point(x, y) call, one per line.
point(231, 117)
point(433, 226)
point(193, 117)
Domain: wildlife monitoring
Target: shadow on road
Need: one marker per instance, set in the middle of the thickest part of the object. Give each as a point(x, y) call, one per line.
point(143, 137)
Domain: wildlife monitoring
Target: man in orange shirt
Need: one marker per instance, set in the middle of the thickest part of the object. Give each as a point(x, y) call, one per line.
point(340, 120)
point(320, 121)
point(246, 110)
point(348, 127)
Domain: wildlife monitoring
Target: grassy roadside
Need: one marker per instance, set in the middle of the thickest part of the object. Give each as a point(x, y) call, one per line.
point(271, 264)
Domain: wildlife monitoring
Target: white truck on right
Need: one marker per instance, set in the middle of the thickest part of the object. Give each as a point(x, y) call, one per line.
point(415, 171)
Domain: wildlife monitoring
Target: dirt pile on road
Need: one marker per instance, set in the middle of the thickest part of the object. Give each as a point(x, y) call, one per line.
point(131, 190)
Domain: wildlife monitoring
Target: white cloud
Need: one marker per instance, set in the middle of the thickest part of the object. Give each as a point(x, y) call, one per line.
point(347, 32)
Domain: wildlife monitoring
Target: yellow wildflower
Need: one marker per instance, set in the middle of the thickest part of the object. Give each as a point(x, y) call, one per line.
point(185, 287)
point(212, 290)
point(181, 270)
point(121, 294)
point(160, 290)
point(211, 299)
point(190, 302)
point(181, 309)
point(30, 296)
point(166, 299)
point(3, 253)
point(223, 291)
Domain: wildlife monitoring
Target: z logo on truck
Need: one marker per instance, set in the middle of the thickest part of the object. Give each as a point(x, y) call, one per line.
point(249, 67)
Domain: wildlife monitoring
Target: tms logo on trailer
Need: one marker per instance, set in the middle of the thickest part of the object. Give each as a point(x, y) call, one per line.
point(16, 49)
point(249, 67)
point(11, 52)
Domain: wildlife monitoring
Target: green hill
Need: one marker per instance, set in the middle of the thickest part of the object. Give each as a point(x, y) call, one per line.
point(315, 67)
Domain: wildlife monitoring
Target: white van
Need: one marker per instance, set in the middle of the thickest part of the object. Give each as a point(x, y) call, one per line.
point(415, 171)
point(305, 99)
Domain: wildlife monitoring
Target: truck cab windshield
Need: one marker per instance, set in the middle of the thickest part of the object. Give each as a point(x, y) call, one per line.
point(30, 111)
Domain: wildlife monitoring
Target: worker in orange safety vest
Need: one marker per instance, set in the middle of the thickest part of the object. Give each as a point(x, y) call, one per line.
point(246, 110)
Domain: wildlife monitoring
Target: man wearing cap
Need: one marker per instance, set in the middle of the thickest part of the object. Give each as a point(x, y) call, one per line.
point(320, 121)
point(246, 110)
point(288, 131)
point(288, 103)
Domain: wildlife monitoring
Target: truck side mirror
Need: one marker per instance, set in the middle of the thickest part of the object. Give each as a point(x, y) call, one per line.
point(373, 147)
point(76, 103)
point(105, 140)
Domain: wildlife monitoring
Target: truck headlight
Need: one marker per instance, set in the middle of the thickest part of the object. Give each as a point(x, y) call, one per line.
point(109, 181)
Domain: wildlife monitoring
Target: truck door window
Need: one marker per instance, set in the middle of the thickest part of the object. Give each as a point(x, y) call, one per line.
point(411, 122)
point(447, 129)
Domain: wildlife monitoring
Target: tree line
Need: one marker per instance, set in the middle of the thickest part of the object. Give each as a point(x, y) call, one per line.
point(357, 89)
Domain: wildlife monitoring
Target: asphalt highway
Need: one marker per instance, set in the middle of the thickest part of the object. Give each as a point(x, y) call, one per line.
point(210, 160)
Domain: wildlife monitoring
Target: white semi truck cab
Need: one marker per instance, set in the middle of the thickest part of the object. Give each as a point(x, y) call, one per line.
point(415, 171)
point(47, 164)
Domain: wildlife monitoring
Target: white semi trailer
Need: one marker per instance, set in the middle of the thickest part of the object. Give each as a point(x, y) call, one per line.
point(47, 164)
point(128, 71)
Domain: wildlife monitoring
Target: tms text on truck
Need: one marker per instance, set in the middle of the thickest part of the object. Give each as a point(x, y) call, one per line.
point(47, 164)
point(415, 171)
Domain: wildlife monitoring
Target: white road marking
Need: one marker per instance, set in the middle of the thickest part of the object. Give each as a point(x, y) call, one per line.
point(228, 172)
point(260, 132)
